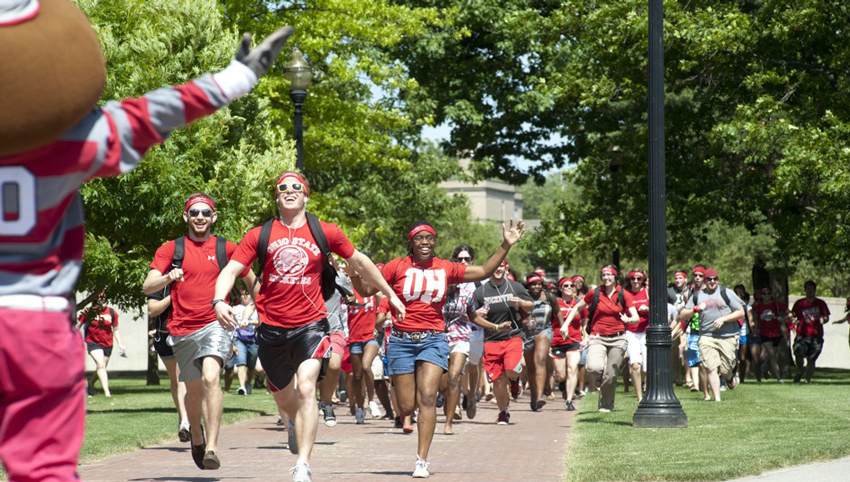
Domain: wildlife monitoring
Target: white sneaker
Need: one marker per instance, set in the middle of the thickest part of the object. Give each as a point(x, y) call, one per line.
point(301, 473)
point(359, 416)
point(376, 411)
point(420, 470)
point(604, 410)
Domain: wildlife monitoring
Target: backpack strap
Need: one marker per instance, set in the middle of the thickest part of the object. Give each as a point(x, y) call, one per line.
point(592, 310)
point(221, 251)
point(262, 246)
point(113, 314)
point(319, 235)
point(179, 252)
point(724, 295)
point(621, 299)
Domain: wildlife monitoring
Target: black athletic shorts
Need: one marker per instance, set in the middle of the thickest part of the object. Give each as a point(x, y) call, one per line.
point(163, 349)
point(808, 348)
point(774, 340)
point(91, 346)
point(282, 350)
point(560, 351)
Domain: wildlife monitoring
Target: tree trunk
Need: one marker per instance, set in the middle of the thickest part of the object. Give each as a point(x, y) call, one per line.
point(776, 280)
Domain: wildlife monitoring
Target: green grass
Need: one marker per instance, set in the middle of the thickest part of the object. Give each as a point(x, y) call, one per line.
point(138, 415)
point(757, 427)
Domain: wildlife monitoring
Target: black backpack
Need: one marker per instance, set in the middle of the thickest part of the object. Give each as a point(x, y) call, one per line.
point(621, 300)
point(328, 271)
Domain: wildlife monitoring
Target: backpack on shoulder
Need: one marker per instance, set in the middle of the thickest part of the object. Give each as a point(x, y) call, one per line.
point(621, 300)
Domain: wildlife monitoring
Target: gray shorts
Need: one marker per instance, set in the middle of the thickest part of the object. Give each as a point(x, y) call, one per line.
point(189, 350)
point(528, 344)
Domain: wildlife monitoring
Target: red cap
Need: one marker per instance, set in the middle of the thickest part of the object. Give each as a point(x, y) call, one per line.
point(418, 229)
point(699, 270)
point(296, 176)
point(711, 273)
point(200, 198)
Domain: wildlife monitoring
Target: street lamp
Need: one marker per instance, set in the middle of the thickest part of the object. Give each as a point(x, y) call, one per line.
point(299, 74)
point(659, 406)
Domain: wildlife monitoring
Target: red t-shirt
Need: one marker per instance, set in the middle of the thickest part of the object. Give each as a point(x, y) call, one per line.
point(767, 316)
point(606, 319)
point(99, 329)
point(574, 329)
point(422, 290)
point(291, 292)
point(191, 299)
point(361, 318)
point(810, 317)
point(641, 298)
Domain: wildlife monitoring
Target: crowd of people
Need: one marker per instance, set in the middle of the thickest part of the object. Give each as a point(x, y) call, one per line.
point(418, 333)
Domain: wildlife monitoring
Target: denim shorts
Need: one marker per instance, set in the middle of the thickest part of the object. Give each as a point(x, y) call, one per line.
point(357, 347)
point(403, 353)
point(246, 353)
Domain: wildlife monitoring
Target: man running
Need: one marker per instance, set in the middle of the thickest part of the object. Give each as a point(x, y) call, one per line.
point(201, 346)
point(41, 245)
point(811, 314)
point(293, 336)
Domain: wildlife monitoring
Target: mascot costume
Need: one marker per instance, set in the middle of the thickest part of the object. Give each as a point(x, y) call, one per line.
point(53, 139)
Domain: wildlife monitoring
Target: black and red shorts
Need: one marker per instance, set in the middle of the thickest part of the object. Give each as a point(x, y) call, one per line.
point(282, 350)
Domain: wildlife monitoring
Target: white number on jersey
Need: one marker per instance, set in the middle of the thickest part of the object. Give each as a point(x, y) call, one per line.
point(17, 201)
point(428, 286)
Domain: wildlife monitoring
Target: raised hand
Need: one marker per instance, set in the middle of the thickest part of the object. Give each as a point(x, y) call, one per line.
point(260, 58)
point(513, 233)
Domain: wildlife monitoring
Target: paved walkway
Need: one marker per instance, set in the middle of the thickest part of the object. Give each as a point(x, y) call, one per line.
point(256, 450)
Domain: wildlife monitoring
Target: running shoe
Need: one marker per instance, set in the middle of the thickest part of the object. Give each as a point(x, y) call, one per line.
point(241, 391)
point(570, 407)
point(90, 391)
point(458, 415)
point(407, 428)
point(797, 379)
point(183, 431)
point(359, 416)
point(398, 423)
point(504, 418)
point(604, 410)
point(534, 407)
point(472, 409)
point(440, 401)
point(328, 414)
point(291, 440)
point(420, 470)
point(516, 389)
point(301, 473)
point(211, 461)
point(199, 450)
point(279, 422)
point(374, 409)
point(464, 404)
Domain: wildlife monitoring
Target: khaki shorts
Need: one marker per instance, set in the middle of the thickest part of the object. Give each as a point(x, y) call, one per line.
point(190, 350)
point(718, 353)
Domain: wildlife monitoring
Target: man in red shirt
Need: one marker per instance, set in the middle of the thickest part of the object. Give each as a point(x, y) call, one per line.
point(770, 318)
point(811, 314)
point(200, 344)
point(294, 346)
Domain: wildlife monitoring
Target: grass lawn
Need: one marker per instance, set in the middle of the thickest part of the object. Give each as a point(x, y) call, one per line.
point(138, 415)
point(757, 427)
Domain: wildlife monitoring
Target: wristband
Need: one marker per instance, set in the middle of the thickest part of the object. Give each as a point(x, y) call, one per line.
point(214, 302)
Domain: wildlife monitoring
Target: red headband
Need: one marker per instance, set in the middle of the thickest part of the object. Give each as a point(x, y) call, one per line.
point(609, 270)
point(504, 263)
point(296, 176)
point(699, 270)
point(637, 273)
point(535, 278)
point(711, 273)
point(564, 280)
point(578, 277)
point(683, 273)
point(418, 229)
point(200, 198)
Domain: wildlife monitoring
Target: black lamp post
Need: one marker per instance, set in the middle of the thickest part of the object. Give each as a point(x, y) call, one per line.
point(299, 74)
point(659, 407)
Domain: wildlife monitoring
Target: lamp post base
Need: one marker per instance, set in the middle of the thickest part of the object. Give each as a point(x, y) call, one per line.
point(656, 417)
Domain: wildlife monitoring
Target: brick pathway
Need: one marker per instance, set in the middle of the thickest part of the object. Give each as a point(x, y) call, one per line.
point(530, 448)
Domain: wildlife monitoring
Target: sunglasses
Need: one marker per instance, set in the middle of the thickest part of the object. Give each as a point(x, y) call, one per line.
point(207, 213)
point(637, 277)
point(465, 258)
point(567, 285)
point(295, 186)
point(711, 279)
